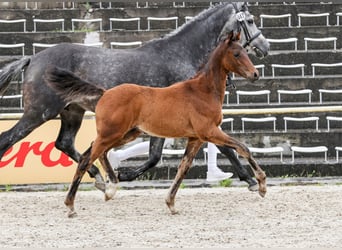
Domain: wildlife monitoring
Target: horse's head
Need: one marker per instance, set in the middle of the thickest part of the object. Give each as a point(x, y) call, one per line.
point(251, 37)
point(235, 58)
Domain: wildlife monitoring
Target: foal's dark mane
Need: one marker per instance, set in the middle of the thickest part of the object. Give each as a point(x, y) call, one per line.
point(212, 60)
point(205, 67)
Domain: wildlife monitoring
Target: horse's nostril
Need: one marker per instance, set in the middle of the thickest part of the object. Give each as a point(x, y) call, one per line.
point(256, 75)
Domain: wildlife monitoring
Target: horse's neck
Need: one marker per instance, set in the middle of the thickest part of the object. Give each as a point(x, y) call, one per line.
point(213, 82)
point(198, 37)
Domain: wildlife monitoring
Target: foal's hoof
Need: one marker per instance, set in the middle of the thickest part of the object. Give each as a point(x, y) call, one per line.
point(172, 209)
point(171, 206)
point(110, 191)
point(262, 193)
point(72, 214)
point(100, 186)
point(173, 212)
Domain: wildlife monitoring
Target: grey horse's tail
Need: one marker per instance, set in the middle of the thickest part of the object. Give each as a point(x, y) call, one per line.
point(73, 89)
point(11, 71)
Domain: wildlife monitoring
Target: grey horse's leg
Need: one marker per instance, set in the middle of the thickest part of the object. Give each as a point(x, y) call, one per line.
point(242, 172)
point(71, 119)
point(26, 124)
point(156, 149)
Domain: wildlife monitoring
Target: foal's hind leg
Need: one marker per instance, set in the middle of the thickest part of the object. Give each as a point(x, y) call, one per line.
point(216, 136)
point(192, 148)
point(71, 119)
point(113, 179)
point(82, 167)
point(98, 148)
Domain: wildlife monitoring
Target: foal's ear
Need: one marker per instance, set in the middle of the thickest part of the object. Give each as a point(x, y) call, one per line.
point(237, 36)
point(230, 37)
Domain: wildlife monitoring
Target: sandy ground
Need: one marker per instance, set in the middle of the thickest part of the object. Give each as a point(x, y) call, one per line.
point(289, 216)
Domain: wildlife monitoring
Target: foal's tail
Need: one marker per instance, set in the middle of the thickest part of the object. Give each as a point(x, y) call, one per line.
point(73, 89)
point(11, 71)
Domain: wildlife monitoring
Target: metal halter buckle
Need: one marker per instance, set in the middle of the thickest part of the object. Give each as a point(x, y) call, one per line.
point(240, 16)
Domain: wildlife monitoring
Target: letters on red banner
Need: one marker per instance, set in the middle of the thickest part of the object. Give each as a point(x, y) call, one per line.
point(18, 158)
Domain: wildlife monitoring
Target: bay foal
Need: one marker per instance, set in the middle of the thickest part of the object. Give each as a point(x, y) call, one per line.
point(190, 109)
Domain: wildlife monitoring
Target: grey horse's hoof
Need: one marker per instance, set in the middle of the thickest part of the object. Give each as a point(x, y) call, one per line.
point(100, 186)
point(253, 188)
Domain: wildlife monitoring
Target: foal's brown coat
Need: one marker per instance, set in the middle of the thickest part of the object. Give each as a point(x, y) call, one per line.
point(190, 109)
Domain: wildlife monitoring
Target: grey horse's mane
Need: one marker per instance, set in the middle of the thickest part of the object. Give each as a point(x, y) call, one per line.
point(204, 13)
point(186, 26)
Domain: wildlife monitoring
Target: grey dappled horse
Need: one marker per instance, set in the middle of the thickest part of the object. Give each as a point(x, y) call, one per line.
point(160, 63)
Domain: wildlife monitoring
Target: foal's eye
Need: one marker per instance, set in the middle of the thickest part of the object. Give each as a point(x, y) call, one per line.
point(236, 55)
point(250, 21)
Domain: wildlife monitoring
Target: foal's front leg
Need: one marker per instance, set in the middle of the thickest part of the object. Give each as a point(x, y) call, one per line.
point(220, 138)
point(192, 148)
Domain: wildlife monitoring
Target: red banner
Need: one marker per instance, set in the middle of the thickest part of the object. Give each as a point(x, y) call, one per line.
point(35, 159)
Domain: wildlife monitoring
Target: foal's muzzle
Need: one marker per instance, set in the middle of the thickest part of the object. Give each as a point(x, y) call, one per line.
point(254, 76)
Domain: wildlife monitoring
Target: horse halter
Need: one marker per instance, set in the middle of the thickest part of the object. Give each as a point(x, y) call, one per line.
point(241, 22)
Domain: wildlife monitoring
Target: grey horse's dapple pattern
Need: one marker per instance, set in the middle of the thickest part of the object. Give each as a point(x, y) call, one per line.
point(159, 62)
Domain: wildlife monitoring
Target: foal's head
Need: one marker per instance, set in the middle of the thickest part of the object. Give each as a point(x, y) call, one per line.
point(234, 58)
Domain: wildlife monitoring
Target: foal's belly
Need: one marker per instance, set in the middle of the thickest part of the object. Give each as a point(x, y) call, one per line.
point(171, 128)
